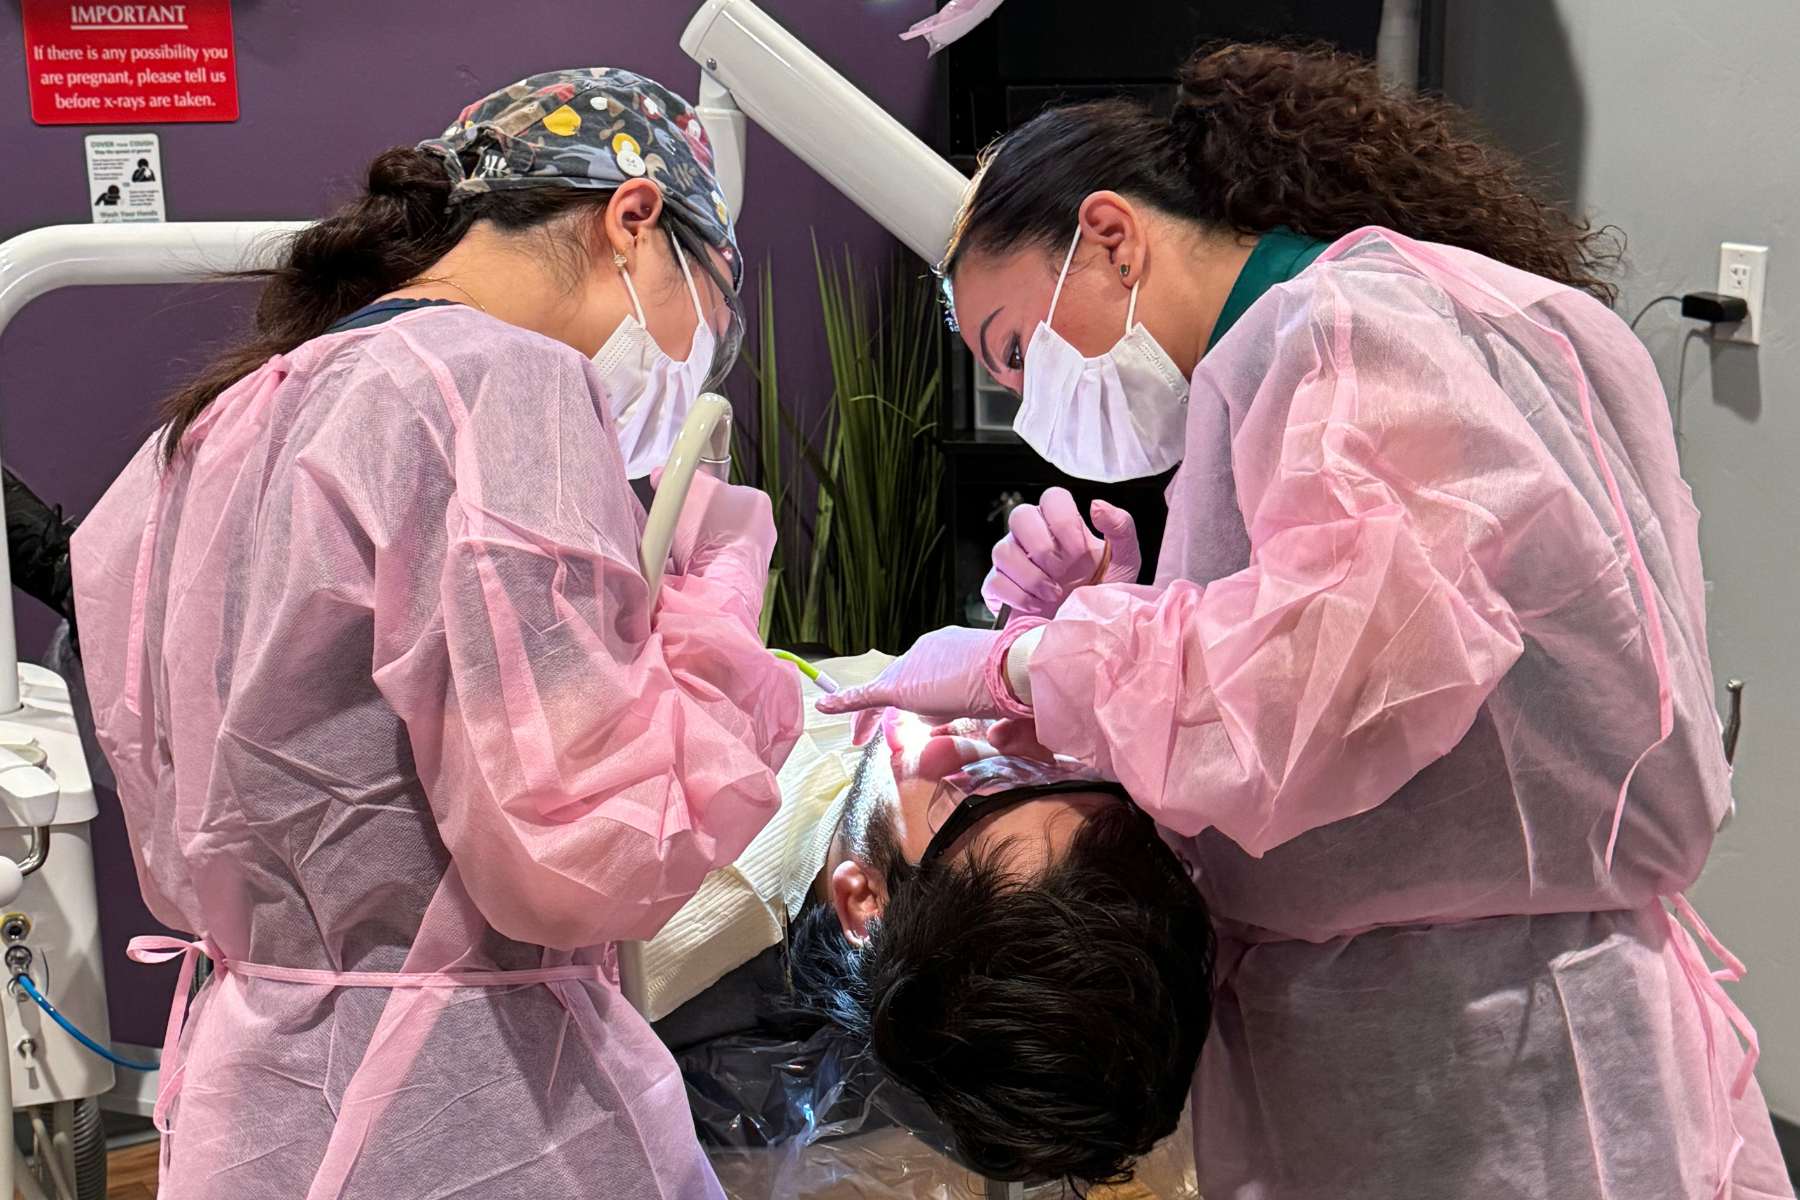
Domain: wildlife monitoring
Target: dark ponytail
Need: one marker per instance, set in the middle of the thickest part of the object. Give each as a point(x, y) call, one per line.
point(401, 225)
point(1265, 136)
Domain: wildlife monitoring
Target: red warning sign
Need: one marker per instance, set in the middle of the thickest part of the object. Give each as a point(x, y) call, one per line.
point(130, 64)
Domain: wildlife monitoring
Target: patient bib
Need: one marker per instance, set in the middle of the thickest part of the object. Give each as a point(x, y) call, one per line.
point(741, 909)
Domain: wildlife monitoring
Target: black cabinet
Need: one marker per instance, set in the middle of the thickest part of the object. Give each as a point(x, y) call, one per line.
point(1034, 53)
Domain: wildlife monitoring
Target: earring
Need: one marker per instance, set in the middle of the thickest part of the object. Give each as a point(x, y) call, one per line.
point(619, 259)
point(1124, 270)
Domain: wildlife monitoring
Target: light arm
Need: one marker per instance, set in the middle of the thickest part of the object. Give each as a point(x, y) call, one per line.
point(859, 148)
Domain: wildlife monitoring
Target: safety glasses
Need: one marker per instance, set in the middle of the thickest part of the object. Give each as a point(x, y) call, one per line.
point(993, 785)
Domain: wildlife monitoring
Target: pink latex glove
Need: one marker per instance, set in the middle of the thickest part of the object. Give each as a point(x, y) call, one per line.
point(921, 751)
point(726, 533)
point(1048, 552)
point(1014, 737)
point(948, 673)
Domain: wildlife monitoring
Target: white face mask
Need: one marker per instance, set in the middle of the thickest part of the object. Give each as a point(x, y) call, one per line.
point(1122, 415)
point(648, 392)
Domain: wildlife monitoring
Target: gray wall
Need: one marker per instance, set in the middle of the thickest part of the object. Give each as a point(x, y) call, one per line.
point(323, 86)
point(1676, 121)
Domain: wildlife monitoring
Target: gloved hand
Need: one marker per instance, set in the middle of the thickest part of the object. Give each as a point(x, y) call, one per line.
point(948, 673)
point(949, 748)
point(726, 532)
point(1014, 737)
point(1048, 552)
point(933, 752)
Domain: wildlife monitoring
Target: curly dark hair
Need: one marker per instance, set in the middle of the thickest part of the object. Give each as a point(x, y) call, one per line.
point(1051, 1024)
point(1265, 136)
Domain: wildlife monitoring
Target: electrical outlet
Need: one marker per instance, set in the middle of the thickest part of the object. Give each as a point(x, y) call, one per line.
point(1743, 271)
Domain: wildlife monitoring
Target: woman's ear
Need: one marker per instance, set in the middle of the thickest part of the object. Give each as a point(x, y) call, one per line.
point(630, 214)
point(1111, 220)
point(857, 895)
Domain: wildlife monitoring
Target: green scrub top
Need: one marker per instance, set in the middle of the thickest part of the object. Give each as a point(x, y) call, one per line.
point(1280, 254)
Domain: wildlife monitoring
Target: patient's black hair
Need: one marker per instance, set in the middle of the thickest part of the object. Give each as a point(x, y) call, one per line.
point(1052, 1023)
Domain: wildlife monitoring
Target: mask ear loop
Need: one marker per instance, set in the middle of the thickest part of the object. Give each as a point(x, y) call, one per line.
point(693, 291)
point(1067, 259)
point(636, 305)
point(700, 321)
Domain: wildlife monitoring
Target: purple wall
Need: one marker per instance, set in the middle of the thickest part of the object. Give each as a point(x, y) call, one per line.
point(320, 94)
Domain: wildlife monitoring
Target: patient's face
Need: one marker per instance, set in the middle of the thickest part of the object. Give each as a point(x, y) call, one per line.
point(889, 814)
point(917, 759)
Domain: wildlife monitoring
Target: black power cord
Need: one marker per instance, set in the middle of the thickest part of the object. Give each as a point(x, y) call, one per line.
point(1715, 308)
point(1645, 311)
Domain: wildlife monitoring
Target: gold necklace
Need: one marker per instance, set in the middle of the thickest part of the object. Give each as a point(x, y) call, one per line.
point(447, 283)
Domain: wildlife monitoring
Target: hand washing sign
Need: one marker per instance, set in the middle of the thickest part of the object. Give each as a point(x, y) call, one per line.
point(130, 64)
point(124, 177)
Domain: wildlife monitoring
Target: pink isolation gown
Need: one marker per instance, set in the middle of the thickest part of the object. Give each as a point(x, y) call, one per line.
point(400, 738)
point(1423, 690)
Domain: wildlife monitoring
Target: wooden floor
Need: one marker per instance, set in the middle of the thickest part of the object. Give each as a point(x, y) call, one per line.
point(131, 1173)
point(1118, 1191)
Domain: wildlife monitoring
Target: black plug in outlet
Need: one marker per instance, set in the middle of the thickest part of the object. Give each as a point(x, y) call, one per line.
point(1715, 308)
